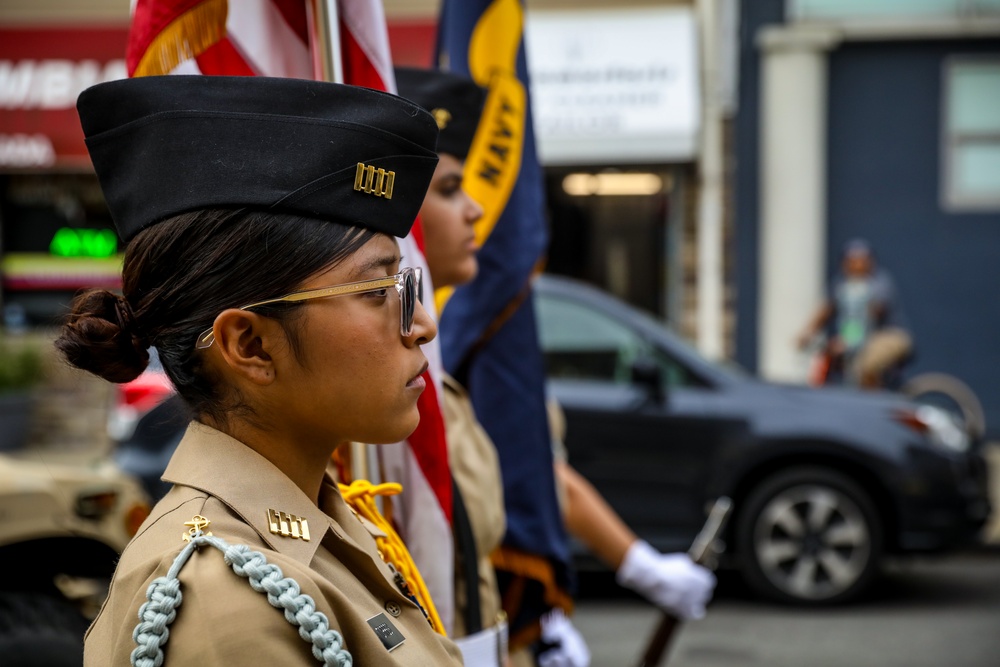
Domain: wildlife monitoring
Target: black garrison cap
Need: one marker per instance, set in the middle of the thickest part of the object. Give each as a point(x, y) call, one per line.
point(164, 145)
point(455, 102)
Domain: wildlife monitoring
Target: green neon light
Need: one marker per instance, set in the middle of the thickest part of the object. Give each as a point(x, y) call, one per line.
point(69, 242)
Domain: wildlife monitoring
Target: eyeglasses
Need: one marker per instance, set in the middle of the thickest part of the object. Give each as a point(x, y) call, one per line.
point(408, 284)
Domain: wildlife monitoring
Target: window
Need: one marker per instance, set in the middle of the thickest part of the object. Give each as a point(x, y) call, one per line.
point(886, 9)
point(582, 343)
point(971, 160)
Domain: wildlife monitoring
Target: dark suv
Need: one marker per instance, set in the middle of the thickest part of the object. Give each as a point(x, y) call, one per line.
point(825, 481)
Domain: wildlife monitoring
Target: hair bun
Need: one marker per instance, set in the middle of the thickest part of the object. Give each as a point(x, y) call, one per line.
point(100, 336)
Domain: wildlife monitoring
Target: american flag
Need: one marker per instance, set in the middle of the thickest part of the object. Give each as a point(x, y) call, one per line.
point(271, 38)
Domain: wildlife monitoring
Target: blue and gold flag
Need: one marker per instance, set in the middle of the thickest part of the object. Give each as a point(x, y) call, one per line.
point(488, 335)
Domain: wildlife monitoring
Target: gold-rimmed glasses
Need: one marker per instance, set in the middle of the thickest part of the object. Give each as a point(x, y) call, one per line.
point(408, 284)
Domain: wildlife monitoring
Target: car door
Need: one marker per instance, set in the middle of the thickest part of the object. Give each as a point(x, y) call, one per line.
point(649, 458)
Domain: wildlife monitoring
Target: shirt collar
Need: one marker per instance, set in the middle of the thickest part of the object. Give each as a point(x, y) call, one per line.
point(207, 459)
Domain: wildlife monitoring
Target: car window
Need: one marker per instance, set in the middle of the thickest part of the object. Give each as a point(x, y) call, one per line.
point(582, 343)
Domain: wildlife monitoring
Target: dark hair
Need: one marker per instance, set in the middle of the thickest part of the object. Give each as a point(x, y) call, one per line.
point(178, 275)
point(857, 246)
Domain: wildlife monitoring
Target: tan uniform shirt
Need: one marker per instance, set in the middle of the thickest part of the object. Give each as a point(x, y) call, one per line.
point(222, 620)
point(476, 470)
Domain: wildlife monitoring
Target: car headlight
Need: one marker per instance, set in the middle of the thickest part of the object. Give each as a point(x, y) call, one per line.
point(938, 425)
point(96, 505)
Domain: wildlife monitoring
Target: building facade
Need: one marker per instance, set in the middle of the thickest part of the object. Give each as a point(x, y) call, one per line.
point(878, 120)
point(617, 95)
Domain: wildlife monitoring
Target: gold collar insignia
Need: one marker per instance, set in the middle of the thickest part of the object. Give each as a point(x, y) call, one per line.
point(288, 525)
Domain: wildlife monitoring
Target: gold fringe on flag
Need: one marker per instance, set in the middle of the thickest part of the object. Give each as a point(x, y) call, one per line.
point(184, 38)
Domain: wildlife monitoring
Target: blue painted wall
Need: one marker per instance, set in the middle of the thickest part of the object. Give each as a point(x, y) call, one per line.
point(753, 15)
point(884, 184)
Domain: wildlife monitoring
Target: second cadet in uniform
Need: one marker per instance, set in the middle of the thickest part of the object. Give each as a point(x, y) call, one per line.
point(672, 581)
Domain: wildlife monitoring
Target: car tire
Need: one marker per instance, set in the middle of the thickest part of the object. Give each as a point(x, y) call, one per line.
point(809, 535)
point(40, 631)
point(947, 392)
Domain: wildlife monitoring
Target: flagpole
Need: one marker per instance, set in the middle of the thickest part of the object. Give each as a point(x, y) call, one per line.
point(324, 43)
point(324, 40)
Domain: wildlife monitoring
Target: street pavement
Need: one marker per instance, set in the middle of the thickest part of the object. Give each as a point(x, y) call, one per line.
point(927, 612)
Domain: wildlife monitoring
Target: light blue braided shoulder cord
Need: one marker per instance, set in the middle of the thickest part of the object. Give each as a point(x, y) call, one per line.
point(164, 596)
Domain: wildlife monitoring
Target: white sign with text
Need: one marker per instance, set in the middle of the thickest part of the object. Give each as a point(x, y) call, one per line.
point(614, 86)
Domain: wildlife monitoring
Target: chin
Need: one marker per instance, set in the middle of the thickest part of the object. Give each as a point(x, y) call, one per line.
point(466, 274)
point(398, 431)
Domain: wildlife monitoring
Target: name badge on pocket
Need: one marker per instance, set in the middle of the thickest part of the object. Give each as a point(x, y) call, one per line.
point(391, 637)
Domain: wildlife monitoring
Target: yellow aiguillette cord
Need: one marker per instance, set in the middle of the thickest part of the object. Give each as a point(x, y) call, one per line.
point(360, 496)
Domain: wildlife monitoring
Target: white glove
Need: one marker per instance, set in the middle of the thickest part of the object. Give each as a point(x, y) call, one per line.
point(569, 649)
point(672, 582)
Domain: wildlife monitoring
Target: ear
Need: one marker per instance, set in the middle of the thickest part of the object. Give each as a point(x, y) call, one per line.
point(245, 341)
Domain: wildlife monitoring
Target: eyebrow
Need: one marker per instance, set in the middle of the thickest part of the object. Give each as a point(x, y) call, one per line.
point(376, 263)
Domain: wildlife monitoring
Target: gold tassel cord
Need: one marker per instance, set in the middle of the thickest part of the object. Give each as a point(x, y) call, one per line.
point(360, 496)
point(184, 38)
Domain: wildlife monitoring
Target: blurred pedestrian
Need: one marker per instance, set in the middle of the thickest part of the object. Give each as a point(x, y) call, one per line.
point(230, 261)
point(866, 334)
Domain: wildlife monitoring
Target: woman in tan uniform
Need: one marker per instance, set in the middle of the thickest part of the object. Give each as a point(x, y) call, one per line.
point(259, 217)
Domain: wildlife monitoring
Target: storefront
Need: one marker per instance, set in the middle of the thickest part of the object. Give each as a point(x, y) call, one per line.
point(56, 236)
point(616, 108)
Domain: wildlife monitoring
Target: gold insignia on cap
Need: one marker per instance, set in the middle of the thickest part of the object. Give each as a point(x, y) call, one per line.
point(197, 524)
point(374, 181)
point(442, 117)
point(288, 525)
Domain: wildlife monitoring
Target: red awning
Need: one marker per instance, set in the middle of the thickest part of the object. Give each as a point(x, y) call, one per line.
point(42, 71)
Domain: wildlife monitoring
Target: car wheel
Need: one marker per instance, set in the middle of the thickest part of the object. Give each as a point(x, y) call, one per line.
point(40, 631)
point(809, 535)
point(949, 393)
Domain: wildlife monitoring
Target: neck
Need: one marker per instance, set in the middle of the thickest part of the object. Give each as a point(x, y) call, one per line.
point(300, 459)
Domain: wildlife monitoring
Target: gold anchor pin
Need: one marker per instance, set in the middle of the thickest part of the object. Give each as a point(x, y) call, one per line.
point(197, 524)
point(442, 117)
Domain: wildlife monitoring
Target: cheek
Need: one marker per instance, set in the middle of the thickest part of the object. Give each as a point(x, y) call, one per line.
point(374, 402)
point(445, 228)
point(353, 376)
point(363, 361)
point(360, 354)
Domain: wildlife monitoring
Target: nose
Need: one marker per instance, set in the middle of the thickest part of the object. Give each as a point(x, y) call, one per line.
point(473, 210)
point(424, 327)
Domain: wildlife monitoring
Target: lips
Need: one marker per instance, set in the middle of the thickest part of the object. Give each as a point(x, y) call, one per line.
point(418, 379)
